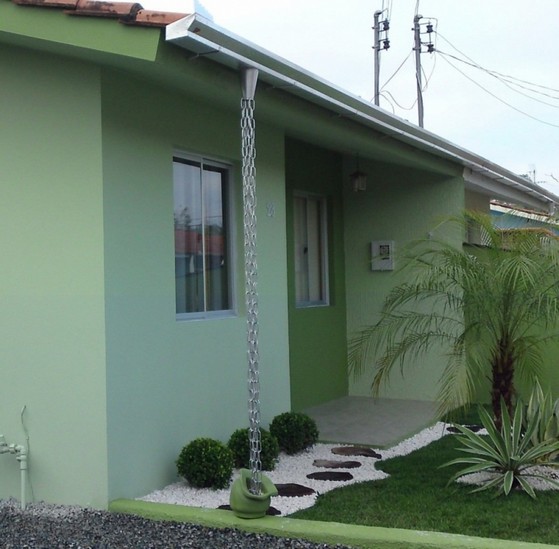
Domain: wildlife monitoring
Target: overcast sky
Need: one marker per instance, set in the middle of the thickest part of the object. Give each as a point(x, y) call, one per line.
point(515, 38)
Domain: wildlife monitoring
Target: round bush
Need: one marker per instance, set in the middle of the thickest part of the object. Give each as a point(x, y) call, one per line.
point(239, 444)
point(206, 463)
point(295, 431)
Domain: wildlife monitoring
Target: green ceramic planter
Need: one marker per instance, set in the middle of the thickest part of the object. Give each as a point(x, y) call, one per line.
point(247, 505)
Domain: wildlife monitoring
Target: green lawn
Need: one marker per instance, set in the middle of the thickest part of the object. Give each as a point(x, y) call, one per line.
point(416, 497)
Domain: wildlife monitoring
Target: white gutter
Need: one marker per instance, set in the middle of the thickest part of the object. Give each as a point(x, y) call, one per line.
point(200, 36)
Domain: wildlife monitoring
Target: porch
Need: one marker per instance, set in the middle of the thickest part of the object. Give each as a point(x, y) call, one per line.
point(377, 422)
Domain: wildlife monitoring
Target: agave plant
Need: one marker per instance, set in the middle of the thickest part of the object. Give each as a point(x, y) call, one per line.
point(545, 410)
point(507, 452)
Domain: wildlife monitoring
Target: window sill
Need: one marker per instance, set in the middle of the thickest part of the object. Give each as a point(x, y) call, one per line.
point(213, 315)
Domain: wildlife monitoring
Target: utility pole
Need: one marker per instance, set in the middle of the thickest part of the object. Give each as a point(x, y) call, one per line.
point(417, 48)
point(379, 44)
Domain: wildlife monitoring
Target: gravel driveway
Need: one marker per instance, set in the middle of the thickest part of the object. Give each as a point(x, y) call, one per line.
point(43, 526)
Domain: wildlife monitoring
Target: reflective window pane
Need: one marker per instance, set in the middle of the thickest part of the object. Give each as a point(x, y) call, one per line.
point(201, 258)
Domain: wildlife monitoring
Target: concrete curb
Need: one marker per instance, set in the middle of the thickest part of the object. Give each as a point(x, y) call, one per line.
point(367, 537)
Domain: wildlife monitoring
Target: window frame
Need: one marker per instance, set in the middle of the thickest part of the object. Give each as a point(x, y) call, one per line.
point(228, 227)
point(322, 200)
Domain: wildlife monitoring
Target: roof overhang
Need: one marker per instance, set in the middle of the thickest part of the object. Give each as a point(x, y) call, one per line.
point(203, 38)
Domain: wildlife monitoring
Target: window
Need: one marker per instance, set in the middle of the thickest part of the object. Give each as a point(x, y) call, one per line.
point(202, 270)
point(311, 245)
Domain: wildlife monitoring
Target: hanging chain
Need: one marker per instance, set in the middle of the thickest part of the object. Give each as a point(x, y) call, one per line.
point(251, 293)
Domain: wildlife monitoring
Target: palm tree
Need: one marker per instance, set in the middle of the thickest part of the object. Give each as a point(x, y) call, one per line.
point(492, 308)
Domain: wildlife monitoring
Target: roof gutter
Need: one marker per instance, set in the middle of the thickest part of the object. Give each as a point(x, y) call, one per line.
point(200, 36)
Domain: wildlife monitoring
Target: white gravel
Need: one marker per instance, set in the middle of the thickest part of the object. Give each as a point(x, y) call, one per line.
point(294, 469)
point(536, 482)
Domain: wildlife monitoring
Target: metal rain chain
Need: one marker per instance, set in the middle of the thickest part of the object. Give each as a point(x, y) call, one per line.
point(249, 79)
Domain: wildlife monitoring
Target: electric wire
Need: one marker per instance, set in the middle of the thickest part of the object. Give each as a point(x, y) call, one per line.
point(503, 81)
point(387, 93)
point(505, 76)
point(397, 70)
point(506, 80)
point(428, 78)
point(388, 100)
point(498, 98)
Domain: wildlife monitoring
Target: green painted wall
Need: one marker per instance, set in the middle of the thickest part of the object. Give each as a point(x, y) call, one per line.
point(170, 381)
point(51, 296)
point(317, 335)
point(400, 204)
point(93, 38)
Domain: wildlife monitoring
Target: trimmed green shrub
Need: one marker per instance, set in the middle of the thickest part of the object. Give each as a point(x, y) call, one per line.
point(239, 444)
point(206, 463)
point(295, 431)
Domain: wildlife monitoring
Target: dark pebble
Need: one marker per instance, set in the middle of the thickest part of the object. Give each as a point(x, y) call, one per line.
point(293, 490)
point(334, 464)
point(331, 475)
point(42, 526)
point(356, 451)
point(473, 428)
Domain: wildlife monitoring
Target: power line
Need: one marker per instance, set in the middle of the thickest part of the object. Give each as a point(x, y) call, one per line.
point(389, 101)
point(498, 98)
point(505, 76)
point(397, 70)
point(502, 80)
point(385, 93)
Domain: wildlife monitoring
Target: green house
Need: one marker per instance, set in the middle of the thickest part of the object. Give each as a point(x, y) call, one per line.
point(122, 267)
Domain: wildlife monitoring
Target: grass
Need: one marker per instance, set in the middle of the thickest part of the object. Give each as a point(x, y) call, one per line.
point(416, 496)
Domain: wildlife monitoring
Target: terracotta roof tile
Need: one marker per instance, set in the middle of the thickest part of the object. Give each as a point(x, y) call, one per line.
point(66, 4)
point(130, 13)
point(116, 10)
point(151, 18)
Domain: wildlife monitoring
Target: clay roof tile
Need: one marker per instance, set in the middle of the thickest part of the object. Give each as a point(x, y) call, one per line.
point(117, 10)
point(149, 18)
point(63, 4)
point(130, 13)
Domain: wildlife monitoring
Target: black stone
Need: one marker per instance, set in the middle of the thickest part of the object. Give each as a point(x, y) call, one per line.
point(291, 490)
point(356, 451)
point(473, 428)
point(331, 475)
point(333, 464)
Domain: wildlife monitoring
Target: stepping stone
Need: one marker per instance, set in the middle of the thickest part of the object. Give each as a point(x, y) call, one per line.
point(331, 475)
point(473, 428)
point(328, 464)
point(355, 451)
point(272, 511)
point(292, 490)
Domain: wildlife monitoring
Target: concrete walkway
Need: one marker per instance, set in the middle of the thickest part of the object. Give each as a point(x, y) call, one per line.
point(380, 422)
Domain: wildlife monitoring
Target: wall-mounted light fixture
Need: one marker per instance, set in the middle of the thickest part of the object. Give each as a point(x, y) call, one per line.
point(358, 179)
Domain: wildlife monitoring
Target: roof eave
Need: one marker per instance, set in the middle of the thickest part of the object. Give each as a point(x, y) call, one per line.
point(202, 37)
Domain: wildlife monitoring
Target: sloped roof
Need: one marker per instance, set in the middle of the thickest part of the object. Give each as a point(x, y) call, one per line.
point(201, 37)
point(129, 13)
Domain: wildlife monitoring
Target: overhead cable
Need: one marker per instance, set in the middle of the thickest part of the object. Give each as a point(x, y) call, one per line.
point(498, 98)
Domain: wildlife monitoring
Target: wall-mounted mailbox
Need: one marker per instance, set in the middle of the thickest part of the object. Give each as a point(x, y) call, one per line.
point(382, 255)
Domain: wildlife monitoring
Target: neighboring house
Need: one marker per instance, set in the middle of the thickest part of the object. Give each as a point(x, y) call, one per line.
point(509, 217)
point(123, 331)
